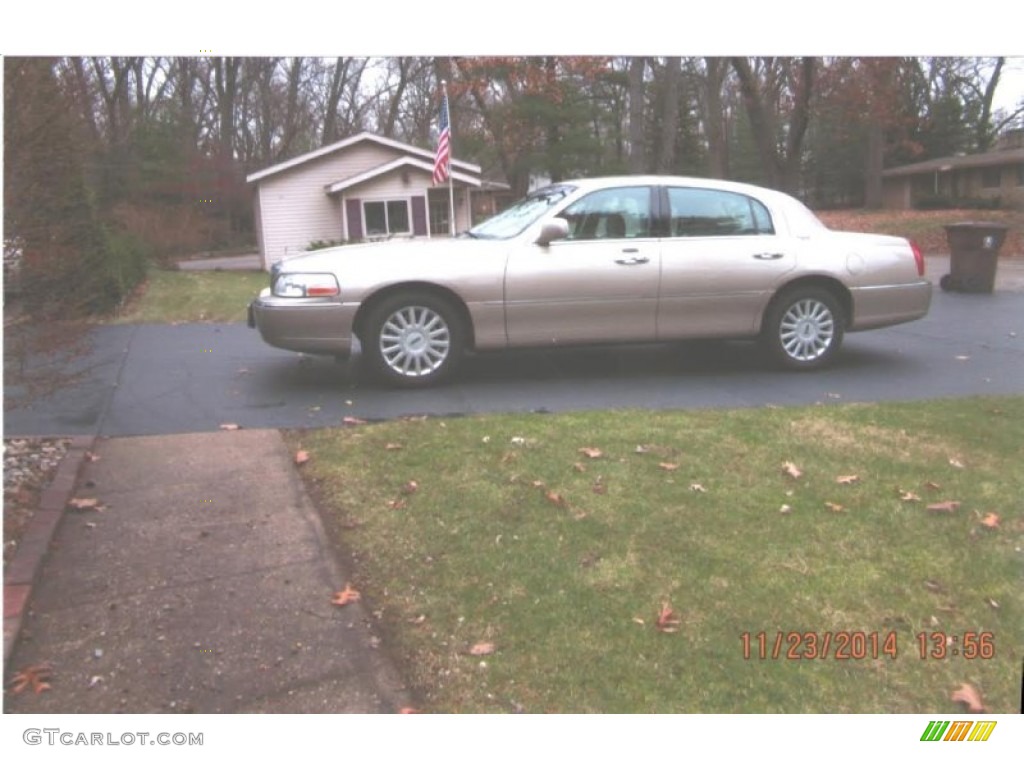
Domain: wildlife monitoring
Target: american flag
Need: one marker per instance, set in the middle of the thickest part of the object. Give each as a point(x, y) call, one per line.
point(442, 158)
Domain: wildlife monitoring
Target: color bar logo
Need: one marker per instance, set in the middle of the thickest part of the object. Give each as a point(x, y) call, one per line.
point(958, 730)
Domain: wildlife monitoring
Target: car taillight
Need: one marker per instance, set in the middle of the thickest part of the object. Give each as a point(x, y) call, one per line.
point(918, 258)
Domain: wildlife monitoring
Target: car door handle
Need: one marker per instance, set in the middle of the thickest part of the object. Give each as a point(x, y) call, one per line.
point(633, 260)
point(768, 256)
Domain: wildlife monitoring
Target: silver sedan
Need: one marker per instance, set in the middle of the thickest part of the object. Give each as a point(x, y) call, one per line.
point(612, 260)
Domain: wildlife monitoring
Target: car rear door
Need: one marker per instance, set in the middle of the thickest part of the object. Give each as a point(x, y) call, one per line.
point(721, 261)
point(598, 284)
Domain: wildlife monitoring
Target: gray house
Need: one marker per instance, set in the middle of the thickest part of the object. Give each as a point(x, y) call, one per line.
point(365, 187)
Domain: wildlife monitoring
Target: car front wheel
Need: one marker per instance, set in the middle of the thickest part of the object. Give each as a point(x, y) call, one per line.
point(804, 328)
point(414, 340)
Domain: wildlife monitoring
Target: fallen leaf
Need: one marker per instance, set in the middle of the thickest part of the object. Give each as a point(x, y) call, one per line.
point(393, 447)
point(967, 694)
point(538, 483)
point(698, 488)
point(411, 487)
point(932, 486)
point(579, 467)
point(34, 677)
point(482, 649)
point(518, 440)
point(668, 466)
point(933, 586)
point(346, 596)
point(785, 509)
point(599, 487)
point(667, 620)
point(230, 427)
point(396, 504)
point(301, 457)
point(791, 469)
point(944, 506)
point(847, 479)
point(556, 499)
point(954, 462)
point(638, 620)
point(592, 453)
point(991, 520)
point(82, 505)
point(353, 421)
point(642, 449)
point(833, 507)
point(992, 603)
point(908, 495)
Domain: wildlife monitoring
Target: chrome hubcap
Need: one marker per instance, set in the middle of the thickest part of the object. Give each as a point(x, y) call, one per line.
point(415, 341)
point(807, 330)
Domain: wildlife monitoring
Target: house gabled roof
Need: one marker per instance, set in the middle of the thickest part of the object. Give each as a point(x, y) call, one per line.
point(984, 160)
point(337, 146)
point(398, 162)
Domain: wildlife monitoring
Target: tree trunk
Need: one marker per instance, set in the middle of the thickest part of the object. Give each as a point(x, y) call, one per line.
point(714, 117)
point(873, 173)
point(670, 115)
point(637, 160)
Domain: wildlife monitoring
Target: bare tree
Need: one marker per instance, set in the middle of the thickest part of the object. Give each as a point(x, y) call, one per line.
point(766, 84)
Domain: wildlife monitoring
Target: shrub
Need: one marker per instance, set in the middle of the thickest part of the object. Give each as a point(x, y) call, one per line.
point(318, 245)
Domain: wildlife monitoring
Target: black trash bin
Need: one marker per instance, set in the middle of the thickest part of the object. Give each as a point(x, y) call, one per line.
point(973, 250)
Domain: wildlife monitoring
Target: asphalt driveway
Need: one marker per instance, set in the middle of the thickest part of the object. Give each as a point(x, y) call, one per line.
point(148, 380)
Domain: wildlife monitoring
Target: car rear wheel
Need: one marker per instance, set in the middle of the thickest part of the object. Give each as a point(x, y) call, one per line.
point(414, 339)
point(803, 328)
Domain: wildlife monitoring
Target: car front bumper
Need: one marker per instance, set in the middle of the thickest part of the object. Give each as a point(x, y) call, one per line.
point(316, 326)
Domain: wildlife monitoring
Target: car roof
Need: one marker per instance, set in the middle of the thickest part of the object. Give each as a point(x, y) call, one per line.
point(600, 182)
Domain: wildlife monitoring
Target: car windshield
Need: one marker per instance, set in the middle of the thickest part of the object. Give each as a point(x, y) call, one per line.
point(514, 220)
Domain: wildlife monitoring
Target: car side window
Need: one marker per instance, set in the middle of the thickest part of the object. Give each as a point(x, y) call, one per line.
point(713, 213)
point(623, 212)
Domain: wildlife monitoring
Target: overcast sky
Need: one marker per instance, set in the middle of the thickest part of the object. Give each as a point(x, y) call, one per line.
point(518, 27)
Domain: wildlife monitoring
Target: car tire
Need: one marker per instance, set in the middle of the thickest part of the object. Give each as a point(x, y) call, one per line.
point(803, 328)
point(414, 339)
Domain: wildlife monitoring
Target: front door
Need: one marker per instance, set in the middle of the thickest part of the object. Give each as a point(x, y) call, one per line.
point(598, 284)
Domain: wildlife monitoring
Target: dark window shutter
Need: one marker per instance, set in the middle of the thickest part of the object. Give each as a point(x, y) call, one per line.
point(419, 216)
point(354, 213)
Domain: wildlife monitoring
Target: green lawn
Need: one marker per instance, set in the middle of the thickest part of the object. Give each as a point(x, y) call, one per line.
point(193, 297)
point(520, 563)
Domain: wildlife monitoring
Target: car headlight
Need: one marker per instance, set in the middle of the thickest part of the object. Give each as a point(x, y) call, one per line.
point(300, 285)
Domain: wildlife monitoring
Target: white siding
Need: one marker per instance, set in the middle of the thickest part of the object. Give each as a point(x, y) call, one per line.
point(295, 208)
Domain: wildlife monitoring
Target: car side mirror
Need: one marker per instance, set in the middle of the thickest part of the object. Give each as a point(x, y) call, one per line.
point(553, 229)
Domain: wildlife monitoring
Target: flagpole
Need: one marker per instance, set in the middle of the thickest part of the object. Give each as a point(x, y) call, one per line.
point(451, 183)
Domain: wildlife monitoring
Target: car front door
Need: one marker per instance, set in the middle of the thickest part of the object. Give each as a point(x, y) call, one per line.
point(598, 284)
point(721, 261)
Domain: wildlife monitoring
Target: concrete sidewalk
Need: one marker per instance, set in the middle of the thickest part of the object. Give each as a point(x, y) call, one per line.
point(203, 585)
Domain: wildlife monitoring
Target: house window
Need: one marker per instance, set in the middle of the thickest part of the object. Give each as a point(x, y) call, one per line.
point(382, 218)
point(990, 177)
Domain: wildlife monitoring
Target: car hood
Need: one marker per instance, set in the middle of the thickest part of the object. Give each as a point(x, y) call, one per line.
point(393, 251)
